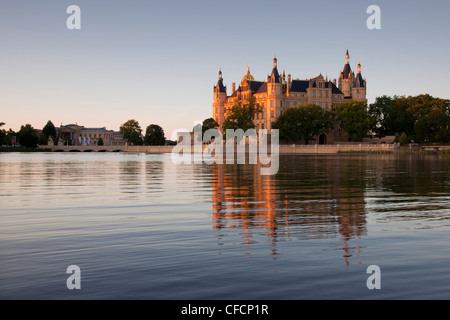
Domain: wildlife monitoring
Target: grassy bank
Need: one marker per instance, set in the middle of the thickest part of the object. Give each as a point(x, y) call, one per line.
point(366, 152)
point(22, 149)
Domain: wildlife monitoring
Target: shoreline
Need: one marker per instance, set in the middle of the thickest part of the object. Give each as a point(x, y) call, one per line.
point(357, 149)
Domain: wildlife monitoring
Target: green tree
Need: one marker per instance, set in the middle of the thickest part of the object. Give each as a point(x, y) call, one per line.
point(354, 119)
point(432, 118)
point(241, 115)
point(209, 123)
point(434, 126)
point(49, 129)
point(2, 133)
point(27, 136)
point(100, 141)
point(404, 139)
point(132, 131)
point(392, 116)
point(154, 135)
point(43, 139)
point(7, 139)
point(304, 123)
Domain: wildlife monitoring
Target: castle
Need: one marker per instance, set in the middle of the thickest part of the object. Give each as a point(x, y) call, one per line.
point(278, 92)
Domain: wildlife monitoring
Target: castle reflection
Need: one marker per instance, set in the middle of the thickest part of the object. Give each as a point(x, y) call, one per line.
point(309, 198)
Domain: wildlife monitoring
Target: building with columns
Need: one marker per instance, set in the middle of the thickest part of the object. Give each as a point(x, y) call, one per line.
point(278, 92)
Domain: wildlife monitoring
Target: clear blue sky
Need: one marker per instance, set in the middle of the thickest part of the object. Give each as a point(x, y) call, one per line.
point(157, 61)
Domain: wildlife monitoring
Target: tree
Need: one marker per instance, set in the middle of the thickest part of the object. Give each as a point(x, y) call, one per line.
point(432, 118)
point(392, 116)
point(2, 134)
point(131, 130)
point(241, 115)
point(7, 138)
point(434, 126)
point(154, 136)
point(403, 139)
point(27, 136)
point(354, 119)
point(100, 141)
point(43, 139)
point(49, 130)
point(209, 123)
point(304, 123)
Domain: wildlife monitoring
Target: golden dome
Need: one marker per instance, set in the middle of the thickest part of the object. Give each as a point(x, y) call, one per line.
point(248, 76)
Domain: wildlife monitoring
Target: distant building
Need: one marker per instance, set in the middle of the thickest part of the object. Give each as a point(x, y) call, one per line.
point(279, 92)
point(79, 135)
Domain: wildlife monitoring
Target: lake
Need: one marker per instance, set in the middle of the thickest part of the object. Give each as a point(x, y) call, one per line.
point(142, 227)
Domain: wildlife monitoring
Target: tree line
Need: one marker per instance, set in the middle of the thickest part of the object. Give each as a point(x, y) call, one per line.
point(422, 119)
point(27, 136)
point(131, 130)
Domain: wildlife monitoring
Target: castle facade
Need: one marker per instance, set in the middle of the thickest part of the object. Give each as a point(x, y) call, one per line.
point(279, 92)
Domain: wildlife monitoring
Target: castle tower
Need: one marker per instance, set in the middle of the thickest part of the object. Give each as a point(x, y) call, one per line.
point(219, 99)
point(274, 95)
point(359, 86)
point(346, 77)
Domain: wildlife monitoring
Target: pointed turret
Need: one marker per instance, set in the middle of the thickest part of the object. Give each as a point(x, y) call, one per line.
point(347, 69)
point(359, 86)
point(220, 87)
point(275, 76)
point(359, 81)
point(219, 98)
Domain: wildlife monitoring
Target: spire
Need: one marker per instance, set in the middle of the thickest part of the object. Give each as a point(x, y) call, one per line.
point(275, 76)
point(220, 87)
point(346, 73)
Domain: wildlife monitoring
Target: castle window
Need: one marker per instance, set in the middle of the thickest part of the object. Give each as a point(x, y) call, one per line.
point(326, 93)
point(287, 104)
point(313, 93)
point(320, 93)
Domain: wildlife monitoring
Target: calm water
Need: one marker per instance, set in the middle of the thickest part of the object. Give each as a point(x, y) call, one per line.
point(142, 227)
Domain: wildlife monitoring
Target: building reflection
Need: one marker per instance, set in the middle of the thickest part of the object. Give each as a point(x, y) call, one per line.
point(309, 198)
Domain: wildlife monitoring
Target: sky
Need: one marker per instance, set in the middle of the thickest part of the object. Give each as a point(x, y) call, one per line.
point(157, 61)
